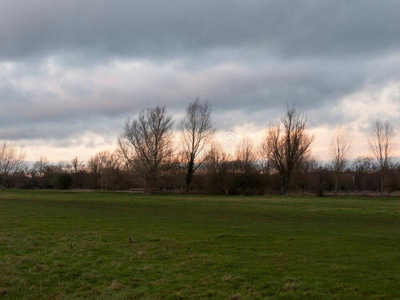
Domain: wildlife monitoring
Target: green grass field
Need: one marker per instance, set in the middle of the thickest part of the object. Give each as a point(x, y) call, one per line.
point(64, 245)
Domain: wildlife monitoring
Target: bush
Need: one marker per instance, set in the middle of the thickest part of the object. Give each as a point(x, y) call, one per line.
point(64, 181)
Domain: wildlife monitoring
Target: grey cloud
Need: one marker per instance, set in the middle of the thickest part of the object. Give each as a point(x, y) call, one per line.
point(61, 106)
point(158, 30)
point(248, 58)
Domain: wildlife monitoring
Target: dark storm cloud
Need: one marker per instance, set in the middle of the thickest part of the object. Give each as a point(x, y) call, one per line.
point(60, 61)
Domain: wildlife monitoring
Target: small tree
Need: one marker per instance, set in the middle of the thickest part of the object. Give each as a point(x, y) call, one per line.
point(246, 157)
point(104, 167)
point(339, 151)
point(95, 167)
point(109, 169)
point(381, 144)
point(363, 166)
point(11, 161)
point(216, 168)
point(247, 178)
point(77, 167)
point(39, 170)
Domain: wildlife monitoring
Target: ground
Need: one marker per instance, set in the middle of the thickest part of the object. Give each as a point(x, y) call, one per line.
point(64, 245)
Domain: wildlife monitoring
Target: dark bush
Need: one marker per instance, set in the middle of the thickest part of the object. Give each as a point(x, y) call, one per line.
point(64, 181)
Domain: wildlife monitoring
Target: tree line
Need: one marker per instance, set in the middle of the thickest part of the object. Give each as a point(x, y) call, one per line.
point(154, 157)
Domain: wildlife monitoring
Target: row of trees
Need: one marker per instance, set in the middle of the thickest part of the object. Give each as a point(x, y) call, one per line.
point(149, 157)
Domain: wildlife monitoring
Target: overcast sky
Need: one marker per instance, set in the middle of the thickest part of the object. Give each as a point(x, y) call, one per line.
point(72, 71)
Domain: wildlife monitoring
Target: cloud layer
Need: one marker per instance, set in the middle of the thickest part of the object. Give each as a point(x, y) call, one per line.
point(160, 30)
point(71, 69)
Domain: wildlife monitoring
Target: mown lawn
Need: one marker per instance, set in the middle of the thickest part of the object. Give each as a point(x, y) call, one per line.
point(65, 245)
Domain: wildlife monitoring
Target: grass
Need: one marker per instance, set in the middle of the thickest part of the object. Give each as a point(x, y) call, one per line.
point(65, 245)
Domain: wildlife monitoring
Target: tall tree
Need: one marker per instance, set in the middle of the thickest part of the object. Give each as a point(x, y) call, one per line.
point(288, 144)
point(339, 151)
point(147, 145)
point(11, 161)
point(382, 146)
point(196, 133)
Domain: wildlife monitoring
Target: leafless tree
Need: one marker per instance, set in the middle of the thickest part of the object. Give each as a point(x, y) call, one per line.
point(39, 170)
point(362, 166)
point(94, 165)
point(11, 161)
point(196, 133)
point(110, 164)
point(104, 167)
point(40, 165)
point(147, 145)
point(216, 167)
point(216, 159)
point(77, 167)
point(339, 151)
point(64, 166)
point(288, 144)
point(246, 157)
point(382, 146)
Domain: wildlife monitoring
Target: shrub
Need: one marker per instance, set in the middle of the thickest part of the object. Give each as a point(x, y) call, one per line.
point(64, 181)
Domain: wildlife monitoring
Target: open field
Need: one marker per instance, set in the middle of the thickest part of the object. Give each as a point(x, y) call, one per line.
point(119, 246)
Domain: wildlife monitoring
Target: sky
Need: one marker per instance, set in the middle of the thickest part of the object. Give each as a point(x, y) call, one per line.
point(72, 71)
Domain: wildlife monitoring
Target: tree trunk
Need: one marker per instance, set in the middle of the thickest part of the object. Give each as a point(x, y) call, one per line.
point(336, 183)
point(3, 183)
point(283, 189)
point(285, 184)
point(189, 174)
point(364, 179)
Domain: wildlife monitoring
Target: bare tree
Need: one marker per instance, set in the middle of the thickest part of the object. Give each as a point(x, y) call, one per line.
point(245, 156)
point(110, 164)
point(288, 144)
point(216, 159)
point(264, 154)
point(196, 133)
point(339, 151)
point(146, 145)
point(11, 161)
point(216, 167)
point(381, 144)
point(104, 167)
point(39, 170)
point(94, 165)
point(77, 167)
point(40, 165)
point(363, 166)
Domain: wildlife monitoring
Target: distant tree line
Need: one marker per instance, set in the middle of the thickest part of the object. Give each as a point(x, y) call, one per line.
point(152, 157)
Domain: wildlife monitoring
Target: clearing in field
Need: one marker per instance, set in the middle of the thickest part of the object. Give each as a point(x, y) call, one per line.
point(119, 246)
